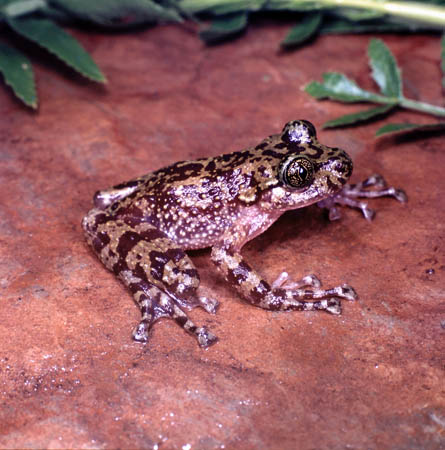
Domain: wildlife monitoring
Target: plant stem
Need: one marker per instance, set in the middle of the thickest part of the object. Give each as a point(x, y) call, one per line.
point(419, 12)
point(423, 107)
point(409, 104)
point(415, 11)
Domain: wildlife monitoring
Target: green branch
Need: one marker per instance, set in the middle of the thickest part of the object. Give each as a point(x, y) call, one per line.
point(386, 74)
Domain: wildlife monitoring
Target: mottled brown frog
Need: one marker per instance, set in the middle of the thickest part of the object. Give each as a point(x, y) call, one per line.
point(140, 229)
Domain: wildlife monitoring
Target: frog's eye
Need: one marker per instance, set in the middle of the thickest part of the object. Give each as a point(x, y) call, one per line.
point(296, 171)
point(299, 131)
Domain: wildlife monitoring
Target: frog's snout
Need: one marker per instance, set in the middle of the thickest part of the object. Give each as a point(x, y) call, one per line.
point(339, 167)
point(342, 166)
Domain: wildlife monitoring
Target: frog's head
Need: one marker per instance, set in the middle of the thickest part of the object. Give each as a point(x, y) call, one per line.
point(305, 170)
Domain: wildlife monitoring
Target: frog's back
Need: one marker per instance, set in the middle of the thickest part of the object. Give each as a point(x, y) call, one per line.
point(193, 202)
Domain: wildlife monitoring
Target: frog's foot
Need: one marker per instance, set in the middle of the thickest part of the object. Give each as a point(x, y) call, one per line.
point(202, 297)
point(164, 306)
point(204, 337)
point(209, 304)
point(308, 299)
point(331, 305)
point(283, 281)
point(351, 192)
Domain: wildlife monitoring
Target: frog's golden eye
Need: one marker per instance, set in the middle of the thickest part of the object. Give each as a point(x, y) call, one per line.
point(296, 171)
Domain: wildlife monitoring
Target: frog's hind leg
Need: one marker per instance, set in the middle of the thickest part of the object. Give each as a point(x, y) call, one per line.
point(159, 274)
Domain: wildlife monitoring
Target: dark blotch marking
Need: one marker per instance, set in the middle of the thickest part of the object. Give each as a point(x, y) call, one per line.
point(120, 265)
point(100, 219)
point(157, 262)
point(175, 254)
point(334, 187)
point(181, 320)
point(210, 166)
point(239, 274)
point(100, 241)
point(270, 152)
point(258, 293)
point(132, 183)
point(126, 242)
point(261, 146)
point(316, 149)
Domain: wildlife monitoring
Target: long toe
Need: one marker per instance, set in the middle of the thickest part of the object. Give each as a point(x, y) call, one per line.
point(205, 337)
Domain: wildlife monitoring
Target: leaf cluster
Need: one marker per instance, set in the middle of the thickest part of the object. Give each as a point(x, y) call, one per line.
point(387, 75)
point(313, 17)
point(37, 21)
point(34, 20)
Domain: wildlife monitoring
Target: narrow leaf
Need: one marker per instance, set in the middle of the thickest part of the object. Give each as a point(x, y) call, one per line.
point(398, 127)
point(20, 7)
point(357, 15)
point(340, 26)
point(361, 116)
point(301, 32)
point(54, 39)
point(18, 74)
point(118, 12)
point(384, 69)
point(442, 57)
point(218, 7)
point(338, 87)
point(224, 27)
point(293, 5)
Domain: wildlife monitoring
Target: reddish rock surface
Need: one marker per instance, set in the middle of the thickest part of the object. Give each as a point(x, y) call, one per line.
point(70, 375)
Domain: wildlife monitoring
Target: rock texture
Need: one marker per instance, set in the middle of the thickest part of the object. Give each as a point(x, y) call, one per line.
point(70, 375)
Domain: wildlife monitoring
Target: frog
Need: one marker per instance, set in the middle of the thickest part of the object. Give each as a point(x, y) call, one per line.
point(142, 228)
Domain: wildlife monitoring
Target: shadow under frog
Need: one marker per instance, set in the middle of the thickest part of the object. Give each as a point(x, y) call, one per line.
point(140, 229)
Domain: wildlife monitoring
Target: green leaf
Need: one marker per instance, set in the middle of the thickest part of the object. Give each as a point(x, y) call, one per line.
point(301, 32)
point(54, 39)
point(442, 59)
point(293, 5)
point(337, 86)
point(18, 74)
point(340, 26)
point(20, 7)
point(384, 69)
point(117, 12)
point(218, 7)
point(358, 15)
point(224, 27)
point(361, 116)
point(398, 127)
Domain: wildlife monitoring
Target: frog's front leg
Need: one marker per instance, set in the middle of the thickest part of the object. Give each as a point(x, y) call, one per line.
point(158, 273)
point(305, 295)
point(349, 195)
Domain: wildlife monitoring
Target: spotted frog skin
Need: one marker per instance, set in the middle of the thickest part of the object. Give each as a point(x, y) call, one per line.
point(140, 229)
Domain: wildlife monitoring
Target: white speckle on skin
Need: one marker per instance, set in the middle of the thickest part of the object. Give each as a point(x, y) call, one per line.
point(277, 194)
point(299, 133)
